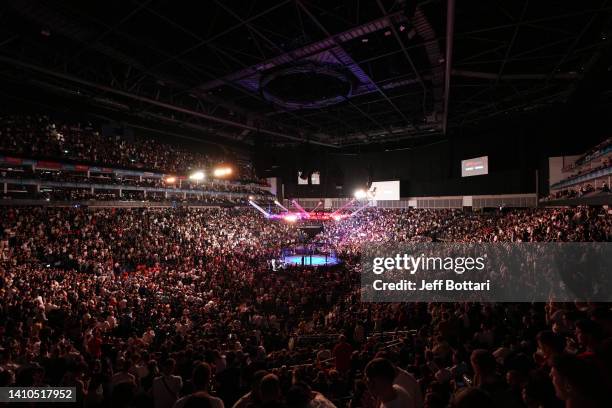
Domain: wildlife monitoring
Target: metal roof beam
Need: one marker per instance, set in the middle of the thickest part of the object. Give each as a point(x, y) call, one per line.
point(153, 102)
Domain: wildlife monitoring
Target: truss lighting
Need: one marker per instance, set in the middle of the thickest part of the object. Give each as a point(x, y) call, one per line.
point(197, 176)
point(290, 218)
point(360, 194)
point(222, 171)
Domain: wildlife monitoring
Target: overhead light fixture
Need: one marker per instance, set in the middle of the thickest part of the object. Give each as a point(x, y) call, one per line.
point(197, 176)
point(290, 218)
point(360, 194)
point(222, 171)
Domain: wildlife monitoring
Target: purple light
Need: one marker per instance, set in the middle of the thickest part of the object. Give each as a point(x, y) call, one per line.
point(290, 217)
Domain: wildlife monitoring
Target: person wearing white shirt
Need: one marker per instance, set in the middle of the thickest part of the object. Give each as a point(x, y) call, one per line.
point(407, 381)
point(123, 375)
point(380, 377)
point(166, 388)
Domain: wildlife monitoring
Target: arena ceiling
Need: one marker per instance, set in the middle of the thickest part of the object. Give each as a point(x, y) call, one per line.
point(334, 73)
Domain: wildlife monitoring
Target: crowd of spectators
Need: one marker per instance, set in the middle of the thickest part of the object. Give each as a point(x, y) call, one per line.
point(121, 180)
point(78, 197)
point(39, 136)
point(601, 149)
point(107, 187)
point(579, 191)
point(179, 307)
point(587, 167)
point(581, 224)
point(386, 225)
point(605, 164)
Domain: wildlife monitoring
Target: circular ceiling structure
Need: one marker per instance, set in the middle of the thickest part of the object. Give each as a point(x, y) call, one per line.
point(307, 86)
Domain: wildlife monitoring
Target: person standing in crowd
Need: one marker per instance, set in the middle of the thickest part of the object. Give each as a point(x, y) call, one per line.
point(342, 354)
point(579, 382)
point(166, 388)
point(380, 377)
point(82, 288)
point(200, 379)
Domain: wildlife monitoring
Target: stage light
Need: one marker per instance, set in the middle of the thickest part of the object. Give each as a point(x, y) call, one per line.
point(222, 171)
point(170, 180)
point(336, 217)
point(197, 176)
point(251, 198)
point(360, 194)
point(290, 218)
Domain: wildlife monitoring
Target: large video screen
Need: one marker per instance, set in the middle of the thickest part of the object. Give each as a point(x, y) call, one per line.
point(385, 190)
point(302, 178)
point(475, 167)
point(315, 178)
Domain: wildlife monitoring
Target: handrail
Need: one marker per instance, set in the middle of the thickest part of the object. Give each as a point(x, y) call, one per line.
point(582, 178)
point(386, 345)
point(34, 182)
point(84, 168)
point(587, 157)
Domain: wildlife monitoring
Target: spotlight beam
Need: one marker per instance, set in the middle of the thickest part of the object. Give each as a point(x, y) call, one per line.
point(280, 205)
point(359, 209)
point(258, 208)
point(349, 203)
point(299, 207)
point(315, 209)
